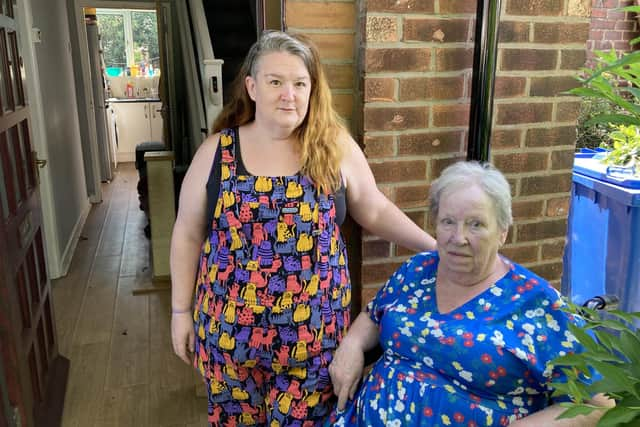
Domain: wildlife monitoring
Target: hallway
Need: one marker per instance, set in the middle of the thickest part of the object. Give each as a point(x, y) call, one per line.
point(123, 371)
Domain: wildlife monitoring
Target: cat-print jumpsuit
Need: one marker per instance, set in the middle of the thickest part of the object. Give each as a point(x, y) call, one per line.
point(272, 299)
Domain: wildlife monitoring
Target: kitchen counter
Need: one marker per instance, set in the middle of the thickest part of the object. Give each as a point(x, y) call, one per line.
point(148, 99)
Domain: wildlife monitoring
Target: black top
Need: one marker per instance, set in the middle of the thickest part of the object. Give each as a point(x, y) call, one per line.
point(213, 185)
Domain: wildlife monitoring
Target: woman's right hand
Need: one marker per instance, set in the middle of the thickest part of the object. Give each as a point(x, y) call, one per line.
point(182, 335)
point(346, 371)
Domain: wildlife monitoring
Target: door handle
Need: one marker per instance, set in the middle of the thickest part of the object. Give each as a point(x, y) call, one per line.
point(37, 165)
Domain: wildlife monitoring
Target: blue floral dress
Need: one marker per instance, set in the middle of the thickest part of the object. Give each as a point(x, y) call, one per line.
point(482, 364)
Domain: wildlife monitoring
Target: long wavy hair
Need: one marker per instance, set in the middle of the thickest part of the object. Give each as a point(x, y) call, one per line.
point(318, 133)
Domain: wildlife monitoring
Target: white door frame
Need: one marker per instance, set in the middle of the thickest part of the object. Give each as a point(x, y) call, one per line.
point(39, 136)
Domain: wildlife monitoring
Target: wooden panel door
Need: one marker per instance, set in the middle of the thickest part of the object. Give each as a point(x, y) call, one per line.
point(32, 367)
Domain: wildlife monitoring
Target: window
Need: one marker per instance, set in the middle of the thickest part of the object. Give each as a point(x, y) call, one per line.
point(129, 41)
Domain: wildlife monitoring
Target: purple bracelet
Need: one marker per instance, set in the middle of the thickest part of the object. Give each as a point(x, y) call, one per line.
point(174, 311)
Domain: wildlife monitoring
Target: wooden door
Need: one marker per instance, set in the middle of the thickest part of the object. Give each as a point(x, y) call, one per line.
point(31, 366)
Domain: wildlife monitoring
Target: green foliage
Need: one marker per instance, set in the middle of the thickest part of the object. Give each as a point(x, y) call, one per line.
point(592, 135)
point(144, 29)
point(112, 36)
point(624, 148)
point(615, 80)
point(145, 34)
point(612, 348)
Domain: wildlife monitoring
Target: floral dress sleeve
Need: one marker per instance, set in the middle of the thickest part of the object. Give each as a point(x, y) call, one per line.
point(545, 336)
point(392, 291)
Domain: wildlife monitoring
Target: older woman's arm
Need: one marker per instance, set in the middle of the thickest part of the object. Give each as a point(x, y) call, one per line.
point(371, 209)
point(547, 417)
point(348, 361)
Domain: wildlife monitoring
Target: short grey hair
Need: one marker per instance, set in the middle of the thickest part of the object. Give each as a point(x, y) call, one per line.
point(467, 173)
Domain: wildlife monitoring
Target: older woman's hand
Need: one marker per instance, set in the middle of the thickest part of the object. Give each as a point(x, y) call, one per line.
point(346, 371)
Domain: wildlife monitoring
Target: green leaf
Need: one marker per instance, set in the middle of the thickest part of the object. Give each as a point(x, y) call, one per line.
point(630, 347)
point(617, 416)
point(621, 119)
point(575, 410)
point(585, 339)
point(616, 375)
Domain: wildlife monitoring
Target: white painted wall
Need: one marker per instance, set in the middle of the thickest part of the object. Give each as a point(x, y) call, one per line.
point(61, 127)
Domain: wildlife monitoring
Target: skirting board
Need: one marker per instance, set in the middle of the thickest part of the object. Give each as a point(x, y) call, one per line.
point(69, 250)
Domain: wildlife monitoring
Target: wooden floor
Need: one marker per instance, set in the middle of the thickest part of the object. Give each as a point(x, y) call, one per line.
point(123, 371)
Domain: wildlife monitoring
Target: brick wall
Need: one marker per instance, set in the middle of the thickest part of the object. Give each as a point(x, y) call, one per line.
point(611, 27)
point(417, 83)
point(407, 69)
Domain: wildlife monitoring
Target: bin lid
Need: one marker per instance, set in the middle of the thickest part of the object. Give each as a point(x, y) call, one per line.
point(589, 164)
point(624, 196)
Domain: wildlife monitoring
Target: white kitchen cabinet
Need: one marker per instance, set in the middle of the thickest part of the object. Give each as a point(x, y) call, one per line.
point(137, 121)
point(155, 112)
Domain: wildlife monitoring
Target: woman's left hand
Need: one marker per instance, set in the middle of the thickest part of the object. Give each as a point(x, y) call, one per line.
point(346, 371)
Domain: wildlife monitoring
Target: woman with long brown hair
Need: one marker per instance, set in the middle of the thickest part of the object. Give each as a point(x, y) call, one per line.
point(258, 229)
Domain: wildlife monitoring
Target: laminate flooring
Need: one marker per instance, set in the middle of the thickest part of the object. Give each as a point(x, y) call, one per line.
point(123, 371)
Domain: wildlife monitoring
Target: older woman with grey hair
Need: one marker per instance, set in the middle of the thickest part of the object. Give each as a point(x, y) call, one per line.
point(467, 334)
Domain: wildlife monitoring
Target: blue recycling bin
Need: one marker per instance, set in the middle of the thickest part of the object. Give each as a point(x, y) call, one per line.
point(602, 256)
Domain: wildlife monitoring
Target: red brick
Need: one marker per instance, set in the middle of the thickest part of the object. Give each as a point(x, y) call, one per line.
point(568, 111)
point(423, 29)
point(414, 196)
point(558, 206)
point(548, 137)
point(559, 32)
point(397, 59)
point(320, 14)
point(528, 59)
point(550, 272)
point(382, 29)
point(379, 89)
point(378, 273)
point(521, 254)
point(613, 35)
point(340, 76)
point(541, 230)
point(334, 46)
point(438, 165)
point(451, 115)
point(379, 146)
point(557, 183)
point(511, 114)
point(514, 32)
point(535, 7)
point(395, 118)
point(572, 59)
point(418, 218)
point(553, 250)
point(427, 144)
point(552, 86)
point(376, 249)
point(510, 87)
point(562, 159)
point(400, 6)
point(506, 138)
point(368, 293)
point(453, 59)
point(521, 162)
point(457, 7)
point(431, 88)
point(525, 209)
point(399, 171)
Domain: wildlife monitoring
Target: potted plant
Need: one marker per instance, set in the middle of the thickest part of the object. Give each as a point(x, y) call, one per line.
point(614, 82)
point(612, 348)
